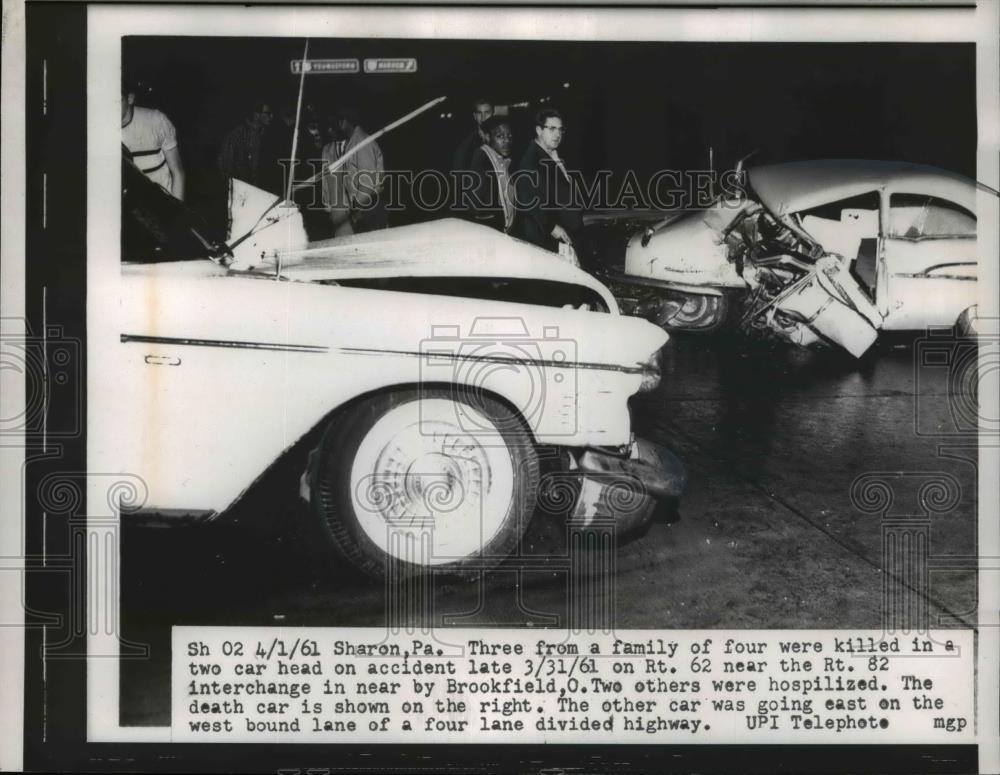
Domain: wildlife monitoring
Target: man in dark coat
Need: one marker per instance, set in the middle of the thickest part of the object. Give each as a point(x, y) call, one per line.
point(548, 211)
point(240, 156)
point(482, 109)
point(494, 196)
point(276, 152)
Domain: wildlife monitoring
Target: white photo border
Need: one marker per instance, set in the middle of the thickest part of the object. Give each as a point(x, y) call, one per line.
point(108, 24)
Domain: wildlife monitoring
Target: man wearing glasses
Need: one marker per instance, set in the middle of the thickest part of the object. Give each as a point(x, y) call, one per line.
point(548, 211)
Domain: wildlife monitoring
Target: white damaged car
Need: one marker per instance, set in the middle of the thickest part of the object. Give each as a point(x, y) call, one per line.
point(433, 362)
point(830, 251)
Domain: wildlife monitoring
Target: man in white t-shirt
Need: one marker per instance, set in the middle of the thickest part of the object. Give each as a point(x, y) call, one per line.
point(152, 143)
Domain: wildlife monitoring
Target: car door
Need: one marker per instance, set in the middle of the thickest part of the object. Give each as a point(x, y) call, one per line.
point(929, 263)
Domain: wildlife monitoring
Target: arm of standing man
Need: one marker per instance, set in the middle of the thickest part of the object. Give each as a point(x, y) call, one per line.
point(176, 167)
point(484, 195)
point(168, 147)
point(530, 190)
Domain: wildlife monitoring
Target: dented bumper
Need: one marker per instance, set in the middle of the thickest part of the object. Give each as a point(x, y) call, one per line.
point(627, 487)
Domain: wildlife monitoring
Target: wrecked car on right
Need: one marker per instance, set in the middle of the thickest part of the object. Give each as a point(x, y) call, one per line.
point(828, 251)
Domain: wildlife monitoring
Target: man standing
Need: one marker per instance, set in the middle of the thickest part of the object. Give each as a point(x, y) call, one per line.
point(494, 195)
point(363, 174)
point(482, 109)
point(276, 151)
point(152, 144)
point(240, 155)
point(548, 210)
point(463, 184)
point(335, 198)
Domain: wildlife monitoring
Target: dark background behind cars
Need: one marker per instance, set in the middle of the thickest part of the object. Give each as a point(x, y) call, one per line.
point(639, 107)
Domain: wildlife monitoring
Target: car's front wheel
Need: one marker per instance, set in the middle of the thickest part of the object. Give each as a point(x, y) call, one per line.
point(413, 480)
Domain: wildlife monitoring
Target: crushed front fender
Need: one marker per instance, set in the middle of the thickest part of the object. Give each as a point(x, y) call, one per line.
point(627, 487)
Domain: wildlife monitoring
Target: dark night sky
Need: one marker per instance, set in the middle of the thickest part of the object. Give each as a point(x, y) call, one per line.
point(638, 106)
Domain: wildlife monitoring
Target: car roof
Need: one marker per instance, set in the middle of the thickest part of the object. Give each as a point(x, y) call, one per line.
point(800, 185)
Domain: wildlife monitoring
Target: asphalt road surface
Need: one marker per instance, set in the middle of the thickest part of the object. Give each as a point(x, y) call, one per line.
point(784, 524)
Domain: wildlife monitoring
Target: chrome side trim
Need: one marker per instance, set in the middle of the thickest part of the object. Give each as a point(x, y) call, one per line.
point(306, 348)
point(126, 338)
point(497, 359)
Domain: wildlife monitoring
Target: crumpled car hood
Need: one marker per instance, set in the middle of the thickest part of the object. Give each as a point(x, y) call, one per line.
point(688, 247)
point(796, 265)
point(444, 248)
point(269, 238)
